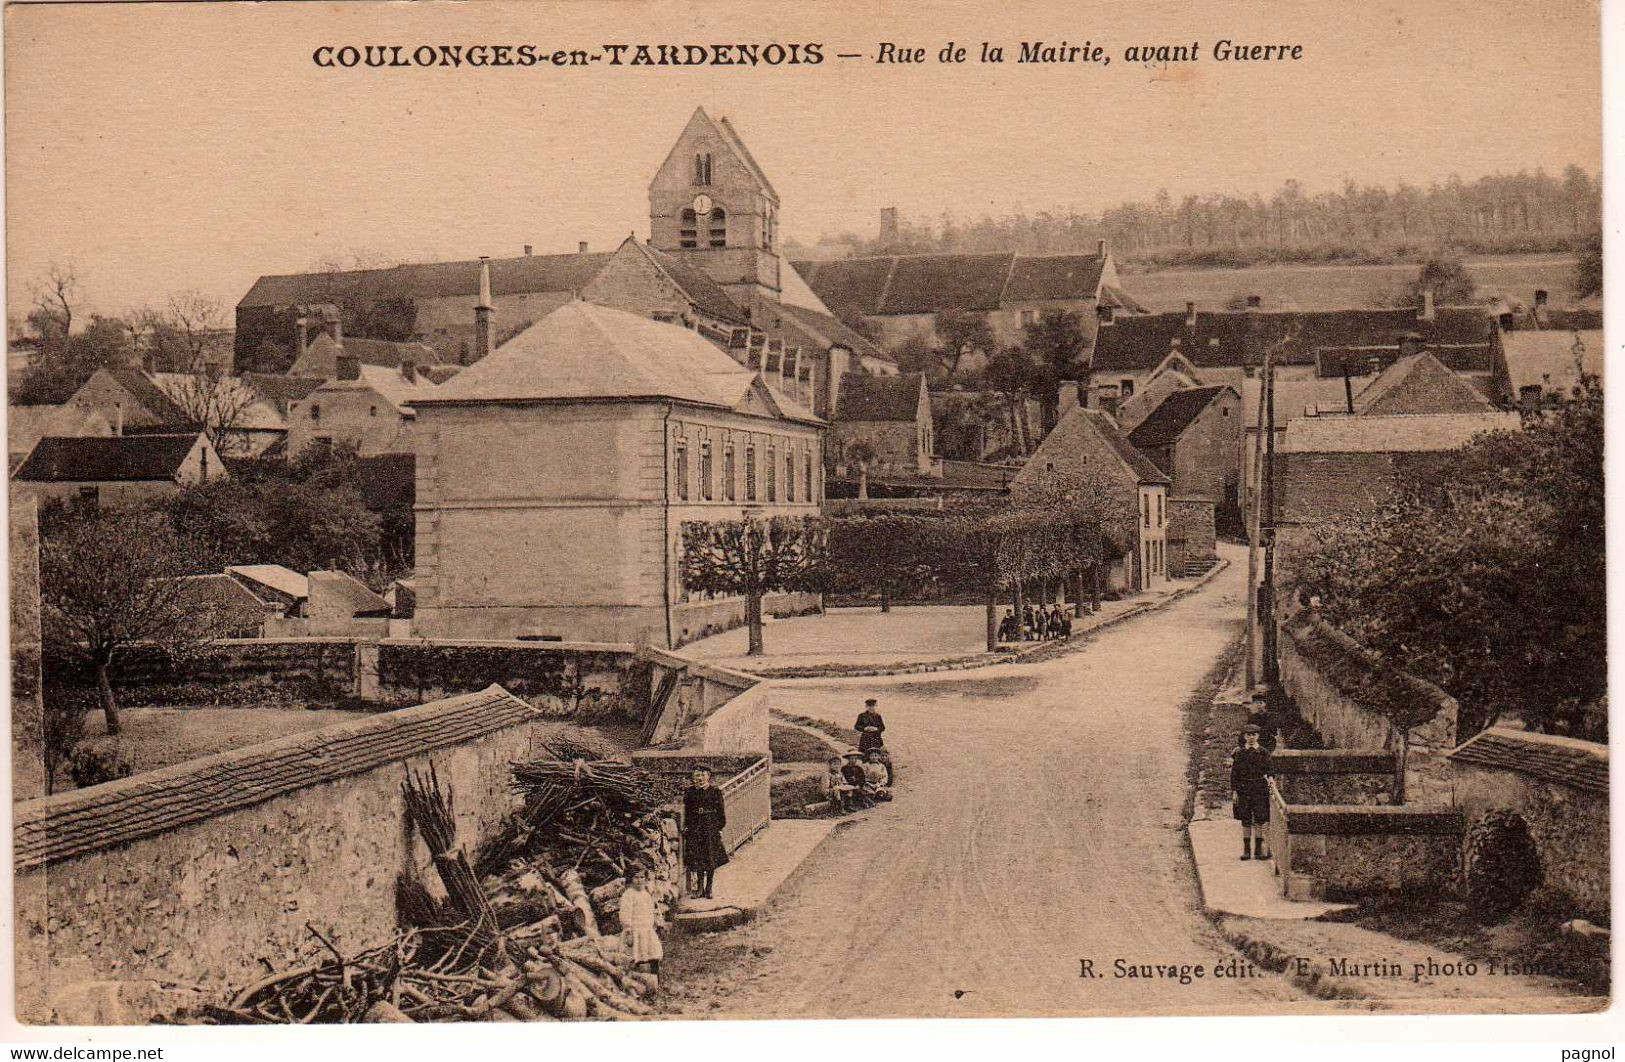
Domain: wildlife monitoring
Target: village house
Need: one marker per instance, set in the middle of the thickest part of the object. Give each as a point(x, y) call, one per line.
point(1337, 467)
point(324, 354)
point(903, 295)
point(891, 416)
point(713, 263)
point(117, 470)
point(556, 473)
point(1533, 368)
point(1194, 436)
point(1087, 443)
point(364, 406)
point(1418, 383)
point(237, 611)
point(241, 420)
point(1174, 373)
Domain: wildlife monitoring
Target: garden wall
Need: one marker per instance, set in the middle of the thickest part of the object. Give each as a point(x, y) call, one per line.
point(711, 708)
point(146, 895)
point(1339, 852)
point(1341, 689)
point(1333, 776)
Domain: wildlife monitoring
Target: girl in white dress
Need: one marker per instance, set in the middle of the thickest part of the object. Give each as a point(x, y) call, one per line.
point(638, 923)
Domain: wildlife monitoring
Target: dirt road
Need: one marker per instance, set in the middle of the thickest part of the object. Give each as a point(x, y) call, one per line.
point(1038, 824)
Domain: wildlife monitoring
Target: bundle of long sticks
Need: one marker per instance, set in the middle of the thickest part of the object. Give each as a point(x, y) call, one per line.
point(431, 812)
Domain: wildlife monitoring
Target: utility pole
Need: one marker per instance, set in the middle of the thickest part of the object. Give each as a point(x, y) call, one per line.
point(1266, 611)
point(1254, 511)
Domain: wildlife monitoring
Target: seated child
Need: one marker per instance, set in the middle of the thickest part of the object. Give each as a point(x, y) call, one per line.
point(859, 781)
point(837, 790)
point(876, 776)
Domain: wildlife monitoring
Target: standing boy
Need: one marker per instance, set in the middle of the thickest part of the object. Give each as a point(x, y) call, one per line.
point(1249, 783)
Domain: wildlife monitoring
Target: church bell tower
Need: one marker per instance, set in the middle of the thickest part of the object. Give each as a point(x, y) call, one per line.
point(711, 205)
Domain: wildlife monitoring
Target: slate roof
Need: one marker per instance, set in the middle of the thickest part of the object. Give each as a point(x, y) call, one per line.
point(1176, 413)
point(388, 384)
point(1401, 433)
point(885, 398)
point(349, 591)
point(1563, 761)
point(429, 280)
point(1546, 359)
point(320, 357)
point(586, 352)
point(1035, 278)
point(88, 820)
point(1240, 337)
point(117, 458)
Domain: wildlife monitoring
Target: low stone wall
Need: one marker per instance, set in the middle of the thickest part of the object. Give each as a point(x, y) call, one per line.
point(143, 896)
point(1333, 776)
point(745, 781)
point(1341, 689)
point(1338, 852)
point(581, 680)
point(1560, 787)
point(698, 619)
point(711, 708)
point(280, 672)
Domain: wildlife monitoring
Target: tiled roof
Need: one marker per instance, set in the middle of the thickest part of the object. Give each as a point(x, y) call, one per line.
point(281, 390)
point(932, 283)
point(848, 286)
point(229, 600)
point(1429, 382)
point(1401, 433)
point(320, 357)
point(283, 580)
point(835, 332)
point(1547, 359)
point(586, 352)
point(1036, 278)
point(231, 396)
point(866, 397)
point(1170, 419)
point(1240, 337)
point(1119, 299)
point(351, 593)
point(89, 820)
point(701, 290)
point(106, 459)
point(1562, 761)
point(145, 390)
point(388, 384)
point(429, 280)
point(1067, 437)
point(1295, 398)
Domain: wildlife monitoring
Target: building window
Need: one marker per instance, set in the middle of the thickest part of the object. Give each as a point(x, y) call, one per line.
point(1125, 389)
point(730, 490)
point(806, 472)
point(772, 474)
point(688, 234)
point(1161, 522)
point(315, 411)
point(719, 227)
point(789, 475)
point(750, 472)
point(90, 497)
point(372, 411)
point(705, 469)
point(1145, 510)
point(682, 469)
point(702, 168)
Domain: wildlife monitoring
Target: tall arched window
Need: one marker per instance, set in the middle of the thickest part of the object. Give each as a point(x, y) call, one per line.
point(719, 227)
point(681, 463)
point(688, 234)
point(702, 168)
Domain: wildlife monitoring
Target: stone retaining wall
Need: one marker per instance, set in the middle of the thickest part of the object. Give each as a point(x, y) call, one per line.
point(1333, 776)
point(1339, 852)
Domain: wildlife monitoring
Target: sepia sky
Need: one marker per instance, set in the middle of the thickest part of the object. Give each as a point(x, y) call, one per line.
point(167, 147)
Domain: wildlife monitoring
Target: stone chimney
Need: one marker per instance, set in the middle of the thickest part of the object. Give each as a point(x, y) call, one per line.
point(484, 333)
point(409, 370)
point(888, 226)
point(1100, 248)
point(302, 326)
point(1426, 313)
point(527, 250)
point(581, 247)
point(1540, 297)
point(348, 366)
point(1190, 316)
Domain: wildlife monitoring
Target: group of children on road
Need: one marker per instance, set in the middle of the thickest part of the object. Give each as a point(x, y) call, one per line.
point(1035, 624)
point(861, 777)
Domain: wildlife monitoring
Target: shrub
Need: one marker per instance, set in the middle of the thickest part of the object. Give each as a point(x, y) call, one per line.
point(93, 766)
point(1501, 864)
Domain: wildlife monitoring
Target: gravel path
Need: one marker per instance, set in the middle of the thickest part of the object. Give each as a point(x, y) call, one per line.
point(1038, 823)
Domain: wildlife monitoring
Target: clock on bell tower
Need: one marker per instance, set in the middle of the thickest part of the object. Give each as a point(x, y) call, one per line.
point(711, 205)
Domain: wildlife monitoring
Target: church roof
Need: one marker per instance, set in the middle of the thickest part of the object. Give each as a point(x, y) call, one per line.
point(586, 352)
point(702, 291)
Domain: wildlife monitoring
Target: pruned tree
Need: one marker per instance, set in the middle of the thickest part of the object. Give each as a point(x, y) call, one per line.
point(754, 557)
point(1090, 523)
point(861, 452)
point(879, 553)
point(110, 581)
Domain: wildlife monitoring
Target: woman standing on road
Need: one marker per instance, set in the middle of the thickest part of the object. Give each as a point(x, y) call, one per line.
point(703, 819)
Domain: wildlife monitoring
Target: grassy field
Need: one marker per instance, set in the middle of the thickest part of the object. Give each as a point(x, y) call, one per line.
point(1334, 287)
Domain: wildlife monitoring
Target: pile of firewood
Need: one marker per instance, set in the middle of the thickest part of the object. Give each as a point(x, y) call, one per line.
point(525, 931)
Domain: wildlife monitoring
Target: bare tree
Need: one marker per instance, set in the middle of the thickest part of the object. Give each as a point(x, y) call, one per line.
point(219, 404)
point(56, 295)
point(109, 581)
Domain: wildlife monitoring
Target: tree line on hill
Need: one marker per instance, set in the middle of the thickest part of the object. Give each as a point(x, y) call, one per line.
point(1500, 213)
